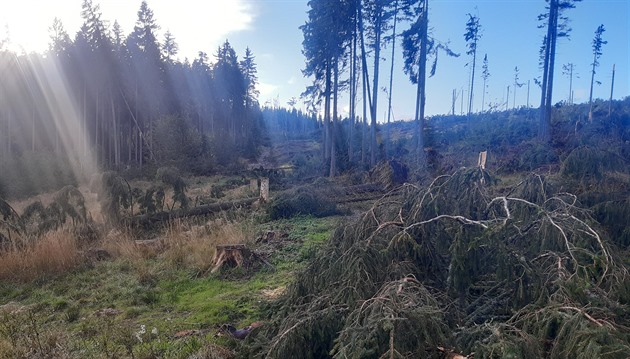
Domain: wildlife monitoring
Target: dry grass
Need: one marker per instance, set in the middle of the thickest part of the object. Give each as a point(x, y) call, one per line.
point(53, 254)
point(193, 247)
point(183, 245)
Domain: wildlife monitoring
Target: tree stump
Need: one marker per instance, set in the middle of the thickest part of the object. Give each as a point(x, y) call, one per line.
point(232, 255)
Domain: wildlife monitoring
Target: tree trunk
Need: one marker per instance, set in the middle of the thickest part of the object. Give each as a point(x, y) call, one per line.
point(544, 123)
point(353, 93)
point(472, 83)
point(333, 131)
point(366, 79)
point(327, 92)
point(590, 96)
point(483, 94)
point(391, 82)
point(420, 95)
point(612, 86)
point(552, 59)
point(373, 104)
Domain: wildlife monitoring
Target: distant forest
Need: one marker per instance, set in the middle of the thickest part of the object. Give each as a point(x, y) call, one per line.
point(102, 100)
point(111, 101)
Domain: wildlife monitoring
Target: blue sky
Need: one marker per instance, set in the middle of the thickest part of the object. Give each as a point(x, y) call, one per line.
point(270, 28)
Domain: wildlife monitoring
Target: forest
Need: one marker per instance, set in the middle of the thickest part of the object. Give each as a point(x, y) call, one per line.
point(152, 207)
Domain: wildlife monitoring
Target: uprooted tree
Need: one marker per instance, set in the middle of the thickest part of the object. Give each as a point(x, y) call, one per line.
point(461, 266)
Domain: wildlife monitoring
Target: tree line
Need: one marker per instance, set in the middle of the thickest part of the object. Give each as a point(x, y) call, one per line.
point(343, 45)
point(125, 100)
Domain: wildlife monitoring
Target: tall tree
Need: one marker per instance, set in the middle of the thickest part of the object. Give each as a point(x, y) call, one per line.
point(472, 37)
point(170, 48)
point(517, 84)
point(557, 26)
point(612, 87)
point(379, 14)
point(59, 39)
point(568, 70)
point(417, 47)
point(598, 42)
point(248, 67)
point(485, 75)
point(327, 33)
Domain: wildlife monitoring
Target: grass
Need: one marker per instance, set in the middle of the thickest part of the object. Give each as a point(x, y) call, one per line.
point(55, 301)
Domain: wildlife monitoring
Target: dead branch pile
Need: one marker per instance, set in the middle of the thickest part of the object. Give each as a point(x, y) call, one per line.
point(456, 268)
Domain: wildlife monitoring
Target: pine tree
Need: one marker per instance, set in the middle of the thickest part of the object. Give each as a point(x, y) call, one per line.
point(472, 37)
point(598, 42)
point(555, 29)
point(248, 67)
point(485, 75)
point(568, 70)
point(169, 47)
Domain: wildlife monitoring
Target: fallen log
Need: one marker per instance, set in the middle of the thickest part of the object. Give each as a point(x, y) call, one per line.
point(148, 219)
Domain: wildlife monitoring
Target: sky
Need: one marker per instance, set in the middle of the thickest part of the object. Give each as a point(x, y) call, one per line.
point(270, 28)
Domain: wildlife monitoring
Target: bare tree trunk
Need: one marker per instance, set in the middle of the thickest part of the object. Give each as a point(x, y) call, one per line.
point(453, 99)
point(366, 79)
point(391, 82)
point(507, 98)
point(612, 86)
point(552, 59)
point(544, 123)
point(472, 83)
point(421, 95)
point(353, 93)
point(33, 125)
point(364, 121)
point(373, 104)
point(9, 149)
point(590, 96)
point(333, 152)
point(327, 92)
point(527, 93)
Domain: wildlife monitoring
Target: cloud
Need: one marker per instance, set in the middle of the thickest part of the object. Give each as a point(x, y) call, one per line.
point(267, 90)
point(291, 80)
point(203, 26)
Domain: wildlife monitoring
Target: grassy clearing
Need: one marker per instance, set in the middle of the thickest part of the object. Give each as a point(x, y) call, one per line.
point(57, 303)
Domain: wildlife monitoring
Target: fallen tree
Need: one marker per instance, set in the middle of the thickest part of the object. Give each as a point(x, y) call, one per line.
point(149, 219)
point(460, 267)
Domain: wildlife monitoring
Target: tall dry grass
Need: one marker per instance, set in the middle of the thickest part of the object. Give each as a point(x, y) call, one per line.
point(54, 253)
point(183, 244)
point(193, 247)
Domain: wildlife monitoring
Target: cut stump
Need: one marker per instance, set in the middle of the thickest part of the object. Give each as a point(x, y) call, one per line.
point(231, 255)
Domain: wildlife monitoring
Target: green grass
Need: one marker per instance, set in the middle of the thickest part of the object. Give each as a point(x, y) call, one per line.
point(153, 294)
